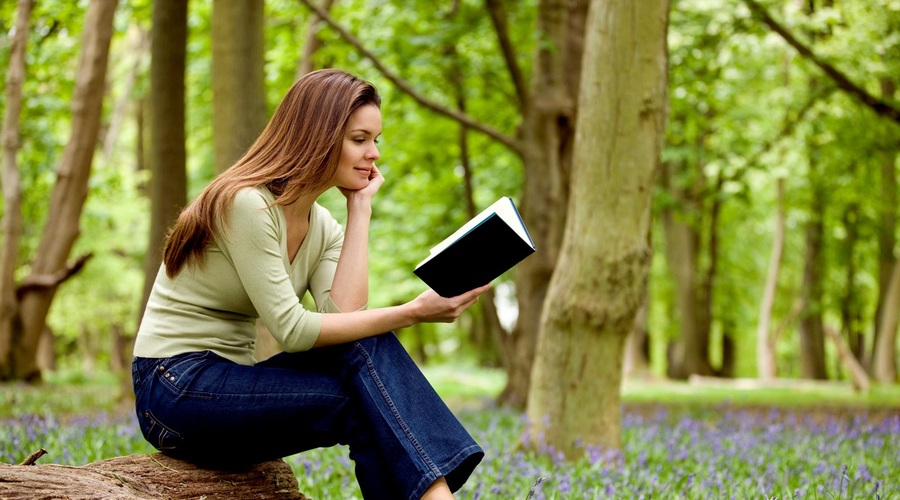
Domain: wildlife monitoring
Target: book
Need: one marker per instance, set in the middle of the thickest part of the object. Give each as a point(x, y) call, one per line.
point(478, 252)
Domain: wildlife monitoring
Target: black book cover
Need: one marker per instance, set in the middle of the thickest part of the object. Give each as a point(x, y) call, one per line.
point(475, 259)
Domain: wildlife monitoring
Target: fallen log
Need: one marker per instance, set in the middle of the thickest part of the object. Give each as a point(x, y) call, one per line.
point(152, 476)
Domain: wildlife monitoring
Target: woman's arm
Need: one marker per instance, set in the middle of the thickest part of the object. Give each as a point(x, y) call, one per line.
point(429, 307)
point(350, 287)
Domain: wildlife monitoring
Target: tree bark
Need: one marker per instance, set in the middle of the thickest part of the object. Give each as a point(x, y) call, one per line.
point(765, 349)
point(12, 188)
point(239, 93)
point(71, 187)
point(548, 135)
point(147, 477)
point(601, 277)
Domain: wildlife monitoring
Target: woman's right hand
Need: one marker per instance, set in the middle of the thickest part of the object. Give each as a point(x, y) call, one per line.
point(430, 307)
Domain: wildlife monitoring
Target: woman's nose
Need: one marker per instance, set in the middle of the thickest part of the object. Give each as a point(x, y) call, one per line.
point(373, 153)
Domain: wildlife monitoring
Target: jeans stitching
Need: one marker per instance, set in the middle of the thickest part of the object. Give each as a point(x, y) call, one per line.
point(396, 414)
point(152, 423)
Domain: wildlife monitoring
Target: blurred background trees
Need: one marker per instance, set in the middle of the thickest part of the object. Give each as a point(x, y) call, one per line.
point(774, 210)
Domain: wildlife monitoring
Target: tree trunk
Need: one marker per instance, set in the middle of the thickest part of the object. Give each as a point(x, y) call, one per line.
point(239, 93)
point(636, 363)
point(765, 348)
point(168, 159)
point(12, 189)
point(851, 305)
point(887, 228)
point(313, 42)
point(548, 134)
point(689, 355)
point(858, 376)
point(812, 325)
point(884, 362)
point(138, 43)
point(71, 188)
point(147, 477)
point(812, 329)
point(601, 277)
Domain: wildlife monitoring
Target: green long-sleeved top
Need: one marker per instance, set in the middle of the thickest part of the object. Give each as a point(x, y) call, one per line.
point(245, 274)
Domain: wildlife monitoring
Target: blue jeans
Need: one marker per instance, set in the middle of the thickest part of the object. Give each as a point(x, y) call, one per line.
point(368, 394)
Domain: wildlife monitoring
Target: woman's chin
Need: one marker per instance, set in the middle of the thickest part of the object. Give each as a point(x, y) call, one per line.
point(353, 186)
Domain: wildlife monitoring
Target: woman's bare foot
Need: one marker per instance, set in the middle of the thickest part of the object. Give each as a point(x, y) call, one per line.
point(438, 491)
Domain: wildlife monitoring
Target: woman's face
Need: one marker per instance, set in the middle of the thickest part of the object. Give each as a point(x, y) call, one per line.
point(359, 150)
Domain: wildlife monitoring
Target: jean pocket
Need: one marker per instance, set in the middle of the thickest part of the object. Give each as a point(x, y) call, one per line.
point(162, 437)
point(177, 372)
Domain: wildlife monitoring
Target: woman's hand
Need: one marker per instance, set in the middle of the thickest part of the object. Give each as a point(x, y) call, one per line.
point(427, 307)
point(430, 307)
point(367, 193)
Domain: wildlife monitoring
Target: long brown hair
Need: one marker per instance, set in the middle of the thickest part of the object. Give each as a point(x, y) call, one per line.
point(297, 153)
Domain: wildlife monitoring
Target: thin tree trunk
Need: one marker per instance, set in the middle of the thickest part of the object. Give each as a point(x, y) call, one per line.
point(689, 355)
point(138, 45)
point(601, 278)
point(239, 93)
point(812, 324)
point(887, 228)
point(858, 375)
point(812, 329)
point(636, 364)
point(167, 155)
point(313, 42)
point(70, 191)
point(884, 363)
point(488, 336)
point(851, 304)
point(765, 348)
point(548, 135)
point(12, 189)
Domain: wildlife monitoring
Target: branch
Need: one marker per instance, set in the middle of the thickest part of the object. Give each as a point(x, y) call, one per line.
point(463, 118)
point(34, 457)
point(881, 107)
point(52, 279)
point(498, 18)
point(786, 130)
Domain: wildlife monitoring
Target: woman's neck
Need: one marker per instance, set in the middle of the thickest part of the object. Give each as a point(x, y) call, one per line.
point(299, 210)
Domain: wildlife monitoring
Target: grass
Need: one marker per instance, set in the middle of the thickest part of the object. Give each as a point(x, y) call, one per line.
point(680, 440)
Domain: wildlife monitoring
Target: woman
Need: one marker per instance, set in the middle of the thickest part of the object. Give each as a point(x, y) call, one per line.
point(249, 247)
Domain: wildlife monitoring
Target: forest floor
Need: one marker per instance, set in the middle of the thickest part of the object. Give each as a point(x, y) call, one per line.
point(715, 439)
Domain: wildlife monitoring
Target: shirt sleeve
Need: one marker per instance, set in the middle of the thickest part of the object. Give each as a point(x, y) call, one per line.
point(250, 239)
